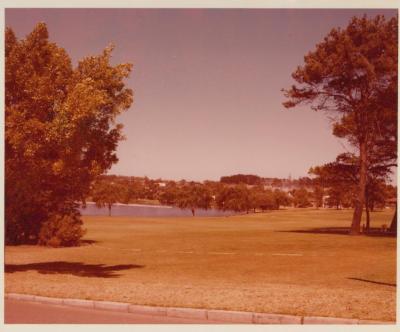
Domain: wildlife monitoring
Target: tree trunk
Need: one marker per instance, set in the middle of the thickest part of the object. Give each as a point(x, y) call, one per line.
point(359, 204)
point(109, 210)
point(367, 226)
point(393, 225)
point(367, 212)
point(193, 212)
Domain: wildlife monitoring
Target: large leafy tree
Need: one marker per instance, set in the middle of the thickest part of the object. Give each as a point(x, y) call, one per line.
point(60, 131)
point(352, 74)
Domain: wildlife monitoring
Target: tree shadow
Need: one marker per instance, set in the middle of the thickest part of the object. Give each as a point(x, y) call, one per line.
point(342, 231)
point(374, 282)
point(76, 269)
point(88, 242)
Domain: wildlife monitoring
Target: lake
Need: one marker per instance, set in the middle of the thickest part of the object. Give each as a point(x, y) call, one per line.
point(138, 210)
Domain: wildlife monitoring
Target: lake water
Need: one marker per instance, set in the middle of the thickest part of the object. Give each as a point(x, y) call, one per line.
point(136, 210)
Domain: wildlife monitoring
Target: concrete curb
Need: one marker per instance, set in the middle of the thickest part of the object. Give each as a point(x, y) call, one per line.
point(147, 310)
point(49, 300)
point(329, 320)
point(112, 306)
point(187, 313)
point(222, 316)
point(22, 297)
point(260, 318)
point(79, 303)
point(230, 316)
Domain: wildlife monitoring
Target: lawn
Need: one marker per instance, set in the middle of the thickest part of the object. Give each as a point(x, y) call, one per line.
point(295, 261)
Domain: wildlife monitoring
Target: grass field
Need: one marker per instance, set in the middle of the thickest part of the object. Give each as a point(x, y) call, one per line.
point(289, 261)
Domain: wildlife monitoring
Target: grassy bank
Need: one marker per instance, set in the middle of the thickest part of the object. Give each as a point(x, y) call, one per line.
point(291, 261)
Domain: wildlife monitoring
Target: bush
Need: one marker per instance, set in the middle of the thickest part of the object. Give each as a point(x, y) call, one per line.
point(61, 231)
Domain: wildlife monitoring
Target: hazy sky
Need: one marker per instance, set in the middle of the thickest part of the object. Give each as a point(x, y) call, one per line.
point(207, 85)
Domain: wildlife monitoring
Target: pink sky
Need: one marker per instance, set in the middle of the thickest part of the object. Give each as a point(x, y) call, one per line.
point(207, 84)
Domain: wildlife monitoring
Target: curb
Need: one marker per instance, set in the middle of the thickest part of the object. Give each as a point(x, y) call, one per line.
point(260, 318)
point(222, 316)
point(78, 303)
point(187, 313)
point(329, 320)
point(147, 310)
point(241, 317)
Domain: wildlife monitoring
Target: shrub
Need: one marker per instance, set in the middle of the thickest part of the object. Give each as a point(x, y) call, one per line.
point(61, 230)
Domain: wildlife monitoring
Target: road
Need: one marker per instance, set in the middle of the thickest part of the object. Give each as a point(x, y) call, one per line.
point(23, 312)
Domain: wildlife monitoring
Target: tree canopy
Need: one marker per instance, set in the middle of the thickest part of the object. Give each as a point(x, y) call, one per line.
point(60, 130)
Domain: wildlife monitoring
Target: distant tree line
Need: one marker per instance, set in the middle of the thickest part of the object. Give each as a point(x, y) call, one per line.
point(108, 190)
point(323, 190)
point(251, 179)
point(241, 178)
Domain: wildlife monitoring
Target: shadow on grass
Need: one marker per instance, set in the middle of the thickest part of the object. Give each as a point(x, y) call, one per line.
point(88, 242)
point(374, 282)
point(342, 231)
point(76, 269)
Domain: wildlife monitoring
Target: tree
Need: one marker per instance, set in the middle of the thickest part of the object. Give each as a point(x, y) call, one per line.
point(106, 194)
point(169, 194)
point(234, 198)
point(301, 198)
point(150, 189)
point(352, 74)
point(259, 198)
point(266, 200)
point(59, 131)
point(281, 198)
point(340, 179)
point(375, 195)
point(194, 196)
point(318, 196)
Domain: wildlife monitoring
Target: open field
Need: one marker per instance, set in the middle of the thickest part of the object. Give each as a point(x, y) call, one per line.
point(277, 262)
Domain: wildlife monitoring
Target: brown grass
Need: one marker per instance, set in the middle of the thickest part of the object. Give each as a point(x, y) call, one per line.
point(291, 262)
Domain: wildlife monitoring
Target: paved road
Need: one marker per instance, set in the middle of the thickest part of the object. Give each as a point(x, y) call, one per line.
point(23, 312)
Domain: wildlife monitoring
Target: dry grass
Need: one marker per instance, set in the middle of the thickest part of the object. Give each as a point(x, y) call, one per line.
point(254, 263)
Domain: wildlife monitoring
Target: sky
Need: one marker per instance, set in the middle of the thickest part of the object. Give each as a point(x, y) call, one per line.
point(207, 85)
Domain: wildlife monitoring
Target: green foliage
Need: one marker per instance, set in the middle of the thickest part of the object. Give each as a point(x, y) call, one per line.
point(59, 130)
point(61, 230)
